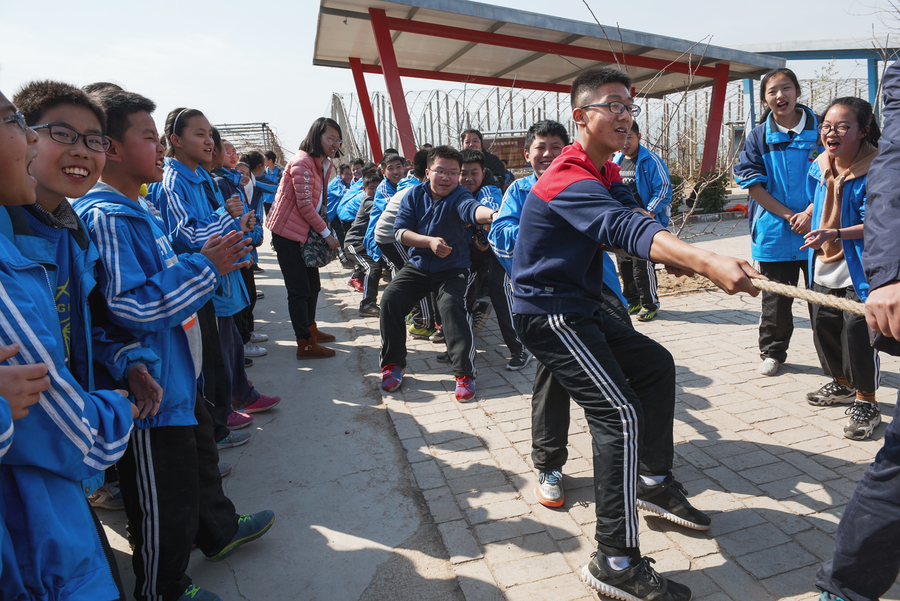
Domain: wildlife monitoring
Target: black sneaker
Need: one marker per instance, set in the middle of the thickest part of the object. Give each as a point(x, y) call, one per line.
point(257, 269)
point(480, 314)
point(248, 362)
point(438, 336)
point(832, 394)
point(260, 295)
point(369, 310)
point(667, 500)
point(634, 583)
point(864, 418)
point(519, 360)
point(443, 357)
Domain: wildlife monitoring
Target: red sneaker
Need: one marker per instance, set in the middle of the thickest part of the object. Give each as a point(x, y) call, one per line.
point(263, 403)
point(356, 284)
point(391, 377)
point(465, 388)
point(238, 420)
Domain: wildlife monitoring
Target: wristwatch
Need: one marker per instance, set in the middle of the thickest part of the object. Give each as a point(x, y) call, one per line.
point(838, 230)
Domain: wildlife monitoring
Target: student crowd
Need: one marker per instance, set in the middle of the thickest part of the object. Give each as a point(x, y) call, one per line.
point(127, 292)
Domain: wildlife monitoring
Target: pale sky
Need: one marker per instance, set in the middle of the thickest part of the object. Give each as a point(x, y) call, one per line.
point(244, 63)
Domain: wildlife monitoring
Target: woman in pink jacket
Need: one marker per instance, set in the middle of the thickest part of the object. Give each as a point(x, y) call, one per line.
point(300, 204)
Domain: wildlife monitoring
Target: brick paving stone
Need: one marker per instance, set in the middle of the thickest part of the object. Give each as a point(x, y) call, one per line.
point(730, 577)
point(776, 560)
point(477, 582)
point(482, 497)
point(428, 475)
point(501, 530)
point(481, 481)
point(817, 542)
point(772, 472)
point(497, 511)
point(748, 460)
point(566, 587)
point(520, 547)
point(442, 505)
point(459, 541)
point(531, 569)
point(750, 540)
point(797, 583)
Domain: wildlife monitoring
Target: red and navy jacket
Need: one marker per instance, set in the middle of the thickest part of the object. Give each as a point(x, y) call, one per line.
point(571, 211)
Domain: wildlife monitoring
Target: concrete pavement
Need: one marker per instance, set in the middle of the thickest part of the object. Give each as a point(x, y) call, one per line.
point(412, 495)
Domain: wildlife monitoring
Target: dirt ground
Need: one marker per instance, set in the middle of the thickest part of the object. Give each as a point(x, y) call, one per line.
point(669, 284)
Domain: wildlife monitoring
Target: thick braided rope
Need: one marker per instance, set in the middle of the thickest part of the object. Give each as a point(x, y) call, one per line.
point(809, 296)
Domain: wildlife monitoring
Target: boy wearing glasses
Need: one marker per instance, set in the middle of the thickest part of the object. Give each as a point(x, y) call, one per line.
point(73, 434)
point(624, 381)
point(644, 172)
point(433, 220)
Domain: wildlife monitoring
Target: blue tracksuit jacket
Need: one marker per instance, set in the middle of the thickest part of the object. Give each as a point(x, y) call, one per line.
point(227, 184)
point(274, 176)
point(336, 190)
point(651, 176)
point(505, 229)
point(853, 212)
point(350, 201)
point(383, 195)
point(67, 437)
point(191, 219)
point(567, 215)
point(446, 218)
point(780, 164)
point(149, 291)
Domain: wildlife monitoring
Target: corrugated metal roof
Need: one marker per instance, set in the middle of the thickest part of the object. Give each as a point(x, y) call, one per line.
point(344, 30)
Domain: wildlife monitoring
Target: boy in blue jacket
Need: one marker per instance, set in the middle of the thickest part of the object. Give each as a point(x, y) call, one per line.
point(354, 244)
point(432, 220)
point(169, 476)
point(624, 381)
point(53, 549)
point(646, 174)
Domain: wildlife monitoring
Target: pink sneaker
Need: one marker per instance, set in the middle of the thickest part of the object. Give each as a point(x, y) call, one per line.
point(263, 403)
point(465, 388)
point(238, 420)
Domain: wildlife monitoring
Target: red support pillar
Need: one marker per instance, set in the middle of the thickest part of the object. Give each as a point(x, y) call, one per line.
point(392, 80)
point(714, 122)
point(366, 105)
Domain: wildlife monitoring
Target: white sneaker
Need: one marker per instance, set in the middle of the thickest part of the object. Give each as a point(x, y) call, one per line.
point(769, 367)
point(251, 350)
point(257, 337)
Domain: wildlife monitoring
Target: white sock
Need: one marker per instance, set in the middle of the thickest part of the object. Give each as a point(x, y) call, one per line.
point(617, 562)
point(652, 479)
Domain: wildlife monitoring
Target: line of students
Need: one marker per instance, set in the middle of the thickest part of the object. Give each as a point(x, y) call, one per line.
point(101, 320)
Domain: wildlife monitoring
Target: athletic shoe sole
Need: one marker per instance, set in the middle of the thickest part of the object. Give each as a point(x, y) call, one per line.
point(518, 367)
point(547, 502)
point(666, 514)
point(606, 589)
point(833, 401)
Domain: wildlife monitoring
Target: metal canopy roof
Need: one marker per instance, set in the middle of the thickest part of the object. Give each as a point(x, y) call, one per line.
point(458, 40)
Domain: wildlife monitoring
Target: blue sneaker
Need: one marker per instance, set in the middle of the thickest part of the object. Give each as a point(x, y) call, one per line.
point(391, 377)
point(250, 528)
point(826, 596)
point(195, 593)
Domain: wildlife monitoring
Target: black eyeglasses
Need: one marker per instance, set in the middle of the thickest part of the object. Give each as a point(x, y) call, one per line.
point(67, 135)
point(18, 117)
point(616, 108)
point(840, 129)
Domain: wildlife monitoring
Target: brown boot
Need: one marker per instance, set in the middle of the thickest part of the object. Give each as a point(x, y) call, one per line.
point(318, 335)
point(308, 349)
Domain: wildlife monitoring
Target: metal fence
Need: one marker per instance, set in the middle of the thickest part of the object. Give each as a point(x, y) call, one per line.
point(674, 126)
point(254, 136)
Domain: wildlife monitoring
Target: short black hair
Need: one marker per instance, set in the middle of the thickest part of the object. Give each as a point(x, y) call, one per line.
point(634, 127)
point(388, 151)
point(589, 80)
point(254, 159)
point(420, 164)
point(270, 154)
point(390, 158)
point(462, 136)
point(357, 162)
point(101, 86)
point(119, 106)
point(372, 176)
point(444, 152)
point(473, 156)
point(427, 146)
point(545, 128)
point(37, 97)
point(343, 166)
point(312, 143)
point(217, 137)
point(367, 165)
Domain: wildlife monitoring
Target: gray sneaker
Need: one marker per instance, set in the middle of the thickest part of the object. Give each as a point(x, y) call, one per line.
point(234, 439)
point(480, 315)
point(519, 360)
point(549, 490)
point(832, 394)
point(864, 418)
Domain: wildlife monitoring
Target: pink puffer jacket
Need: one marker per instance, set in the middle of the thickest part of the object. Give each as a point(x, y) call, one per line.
point(294, 208)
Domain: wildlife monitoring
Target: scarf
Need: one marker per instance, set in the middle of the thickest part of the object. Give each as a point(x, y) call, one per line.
point(833, 251)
